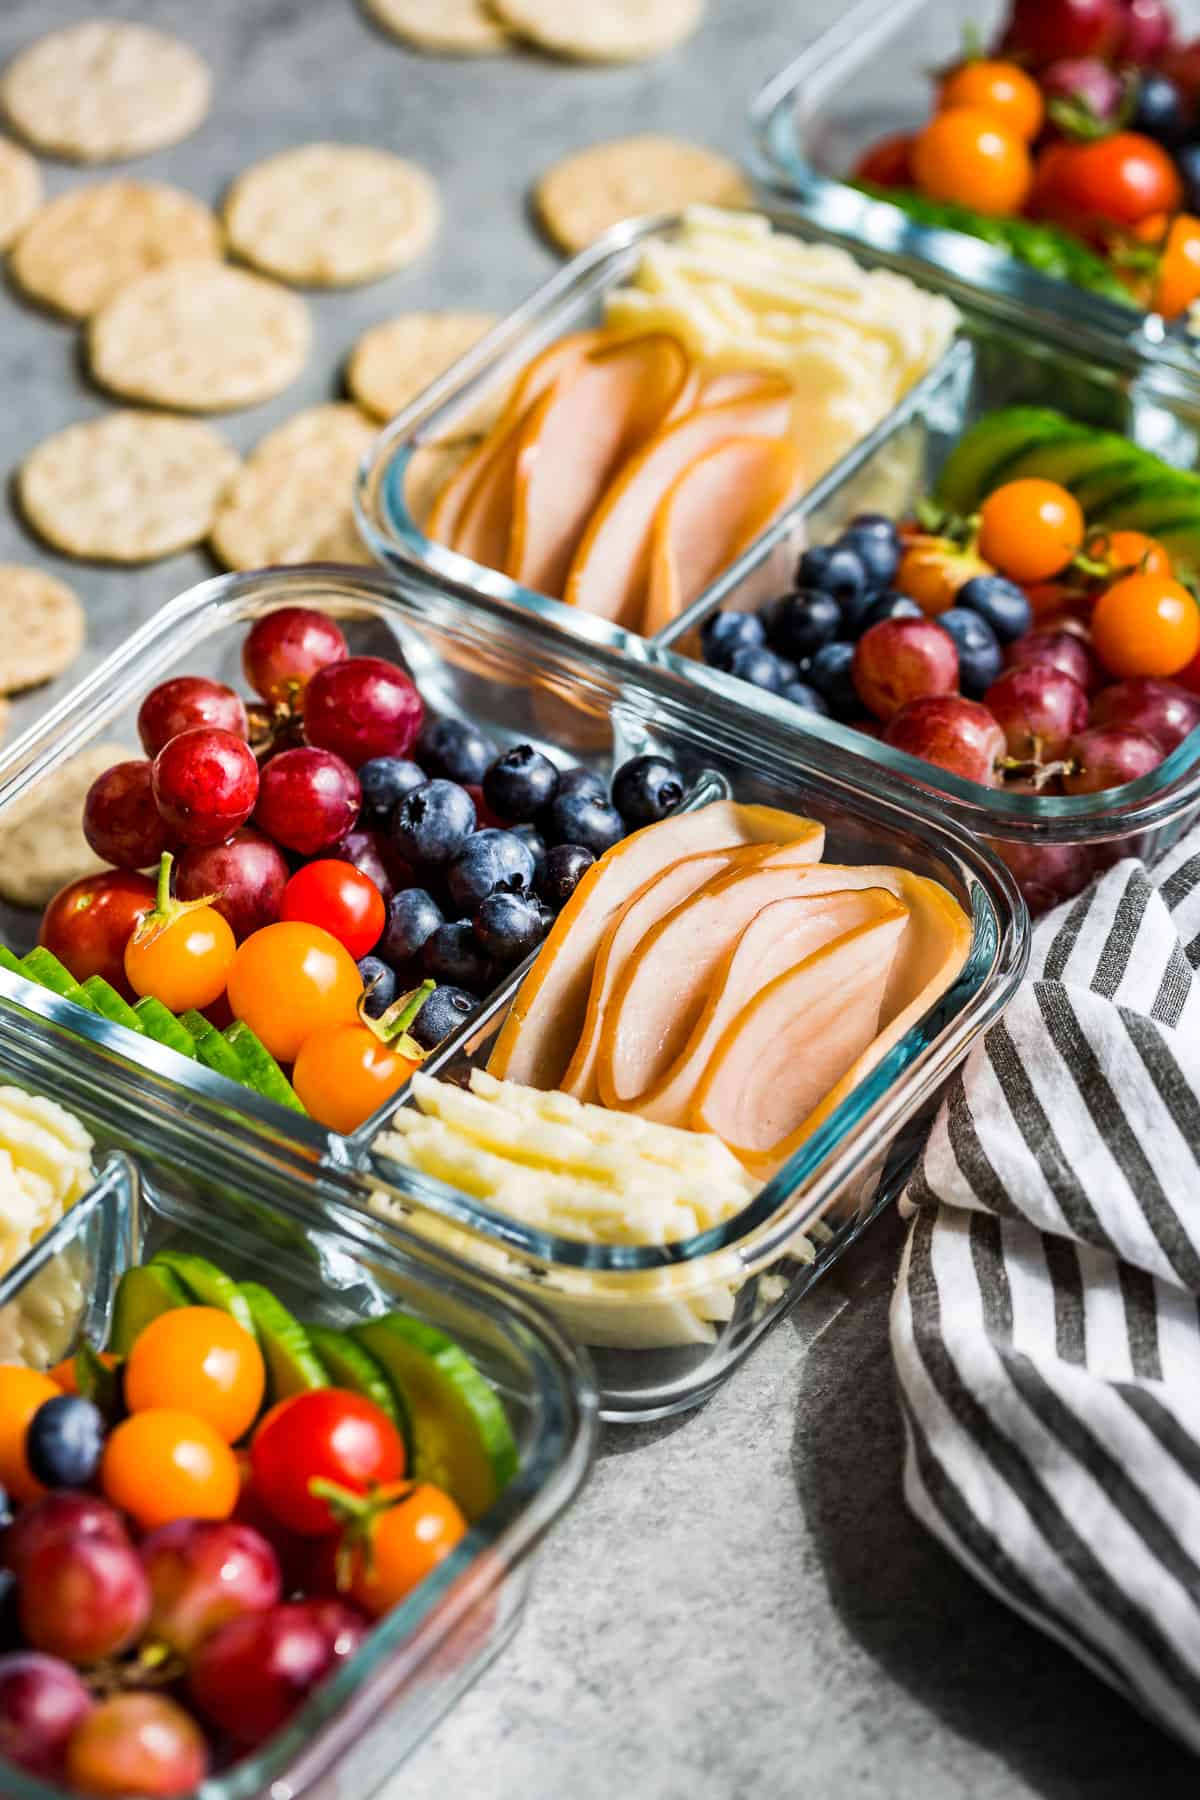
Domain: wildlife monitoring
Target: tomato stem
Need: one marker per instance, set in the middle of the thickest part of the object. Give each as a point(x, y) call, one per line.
point(166, 909)
point(392, 1026)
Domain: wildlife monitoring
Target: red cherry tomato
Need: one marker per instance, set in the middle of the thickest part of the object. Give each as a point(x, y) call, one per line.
point(887, 164)
point(89, 922)
point(330, 1435)
point(341, 899)
point(1117, 180)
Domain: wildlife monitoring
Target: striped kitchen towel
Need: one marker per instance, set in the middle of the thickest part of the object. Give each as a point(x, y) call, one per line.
point(1046, 1323)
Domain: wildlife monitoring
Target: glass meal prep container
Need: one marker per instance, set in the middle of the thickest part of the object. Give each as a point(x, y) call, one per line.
point(258, 1211)
point(871, 74)
point(520, 679)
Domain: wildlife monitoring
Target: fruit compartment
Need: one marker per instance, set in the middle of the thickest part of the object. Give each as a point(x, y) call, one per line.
point(399, 477)
point(352, 1733)
point(1052, 843)
point(870, 75)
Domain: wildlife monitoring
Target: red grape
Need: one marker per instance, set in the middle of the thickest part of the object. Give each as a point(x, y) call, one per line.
point(120, 819)
point(284, 650)
point(202, 1574)
point(900, 660)
point(83, 1599)
point(1060, 649)
point(957, 735)
point(363, 708)
point(1146, 32)
point(1039, 709)
point(374, 854)
point(307, 800)
point(56, 1515)
point(1084, 79)
point(183, 703)
point(251, 1675)
point(1047, 874)
point(1040, 31)
point(42, 1700)
point(1106, 757)
point(205, 784)
point(88, 923)
point(247, 875)
point(137, 1744)
point(1159, 709)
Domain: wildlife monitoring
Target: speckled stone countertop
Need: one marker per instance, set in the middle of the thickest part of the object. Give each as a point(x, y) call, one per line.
point(739, 1604)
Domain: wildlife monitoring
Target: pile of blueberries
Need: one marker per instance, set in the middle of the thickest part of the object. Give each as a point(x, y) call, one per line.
point(492, 846)
point(802, 645)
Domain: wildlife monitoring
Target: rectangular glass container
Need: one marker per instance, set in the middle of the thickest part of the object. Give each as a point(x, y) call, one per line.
point(520, 679)
point(871, 74)
point(299, 1231)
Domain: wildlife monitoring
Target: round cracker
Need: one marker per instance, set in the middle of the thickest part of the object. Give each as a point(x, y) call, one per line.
point(104, 90)
point(292, 499)
point(89, 242)
point(200, 337)
point(588, 193)
point(394, 362)
point(602, 30)
point(330, 215)
point(42, 846)
point(446, 27)
point(42, 627)
point(20, 190)
point(126, 488)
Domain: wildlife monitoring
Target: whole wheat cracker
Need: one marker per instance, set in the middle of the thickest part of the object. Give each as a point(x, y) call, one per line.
point(20, 190)
point(81, 247)
point(602, 30)
point(291, 501)
point(587, 193)
point(105, 89)
point(42, 627)
point(442, 27)
point(42, 846)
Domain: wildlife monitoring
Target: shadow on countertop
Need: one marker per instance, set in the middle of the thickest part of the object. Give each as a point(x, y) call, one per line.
point(979, 1668)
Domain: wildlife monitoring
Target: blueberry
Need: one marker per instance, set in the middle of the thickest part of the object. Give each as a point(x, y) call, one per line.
point(545, 914)
point(583, 819)
point(519, 783)
point(1187, 161)
point(834, 569)
point(432, 824)
point(880, 556)
point(761, 668)
point(806, 620)
point(413, 916)
point(64, 1441)
point(1002, 603)
point(1160, 111)
point(380, 986)
point(830, 674)
point(384, 781)
point(725, 633)
point(454, 750)
point(801, 694)
point(980, 658)
point(453, 954)
point(873, 524)
point(564, 868)
point(443, 1012)
point(490, 862)
point(508, 927)
point(582, 781)
point(534, 841)
point(646, 789)
point(890, 606)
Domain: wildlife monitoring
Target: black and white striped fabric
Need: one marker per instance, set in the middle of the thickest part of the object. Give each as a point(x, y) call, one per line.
point(1046, 1324)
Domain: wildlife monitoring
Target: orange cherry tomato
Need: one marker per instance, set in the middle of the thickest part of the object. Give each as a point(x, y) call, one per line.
point(65, 1376)
point(185, 963)
point(888, 163)
point(406, 1541)
point(22, 1391)
point(1000, 88)
point(1146, 625)
point(969, 157)
point(164, 1464)
point(1129, 553)
point(345, 1072)
point(1178, 283)
point(1030, 529)
point(932, 570)
point(289, 980)
point(198, 1359)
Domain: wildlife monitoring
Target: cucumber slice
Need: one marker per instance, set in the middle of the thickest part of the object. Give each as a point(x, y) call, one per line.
point(43, 966)
point(461, 1436)
point(204, 1283)
point(11, 961)
point(262, 1072)
point(969, 472)
point(212, 1050)
point(1070, 460)
point(160, 1024)
point(142, 1294)
point(293, 1366)
point(1101, 492)
point(348, 1365)
point(109, 1004)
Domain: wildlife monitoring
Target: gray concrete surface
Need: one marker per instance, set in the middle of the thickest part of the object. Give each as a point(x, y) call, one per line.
point(740, 1604)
